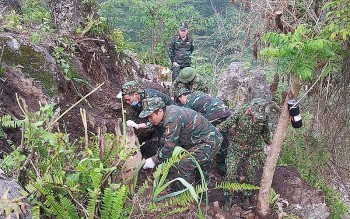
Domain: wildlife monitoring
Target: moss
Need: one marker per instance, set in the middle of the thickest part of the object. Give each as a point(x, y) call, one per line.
point(34, 64)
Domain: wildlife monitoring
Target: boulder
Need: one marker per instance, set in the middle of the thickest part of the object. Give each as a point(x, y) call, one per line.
point(298, 197)
point(10, 196)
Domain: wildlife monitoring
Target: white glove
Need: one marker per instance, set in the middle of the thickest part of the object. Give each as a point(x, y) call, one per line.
point(133, 124)
point(149, 164)
point(175, 64)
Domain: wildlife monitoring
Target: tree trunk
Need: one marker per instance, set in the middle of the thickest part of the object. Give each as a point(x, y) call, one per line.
point(275, 149)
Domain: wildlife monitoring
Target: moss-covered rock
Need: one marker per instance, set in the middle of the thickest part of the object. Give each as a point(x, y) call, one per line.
point(35, 62)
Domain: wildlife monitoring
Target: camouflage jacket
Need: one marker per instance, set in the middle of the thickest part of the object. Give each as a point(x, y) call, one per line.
point(186, 128)
point(197, 84)
point(210, 107)
point(248, 130)
point(148, 93)
point(180, 50)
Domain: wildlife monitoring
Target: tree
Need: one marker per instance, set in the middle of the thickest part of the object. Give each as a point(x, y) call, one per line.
point(305, 55)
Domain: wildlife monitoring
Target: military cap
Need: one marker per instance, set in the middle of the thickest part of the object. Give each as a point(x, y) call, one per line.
point(187, 74)
point(183, 26)
point(181, 91)
point(130, 88)
point(150, 105)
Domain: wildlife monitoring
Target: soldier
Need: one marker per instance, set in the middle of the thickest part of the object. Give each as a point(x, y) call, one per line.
point(245, 153)
point(190, 79)
point(214, 110)
point(133, 96)
point(180, 50)
point(181, 127)
point(146, 133)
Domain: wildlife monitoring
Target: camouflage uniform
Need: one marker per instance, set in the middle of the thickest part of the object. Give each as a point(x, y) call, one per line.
point(180, 51)
point(197, 84)
point(245, 154)
point(151, 135)
point(188, 129)
point(215, 111)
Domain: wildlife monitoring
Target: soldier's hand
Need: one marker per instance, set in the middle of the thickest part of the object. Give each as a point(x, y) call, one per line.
point(133, 124)
point(149, 163)
point(175, 64)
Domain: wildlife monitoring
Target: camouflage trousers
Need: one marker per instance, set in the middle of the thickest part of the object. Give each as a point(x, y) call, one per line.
point(203, 153)
point(243, 163)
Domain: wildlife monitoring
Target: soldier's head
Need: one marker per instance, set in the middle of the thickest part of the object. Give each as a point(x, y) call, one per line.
point(183, 31)
point(154, 109)
point(187, 74)
point(131, 93)
point(182, 95)
point(258, 109)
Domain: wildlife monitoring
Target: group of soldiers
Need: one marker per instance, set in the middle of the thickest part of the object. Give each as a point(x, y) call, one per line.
point(199, 123)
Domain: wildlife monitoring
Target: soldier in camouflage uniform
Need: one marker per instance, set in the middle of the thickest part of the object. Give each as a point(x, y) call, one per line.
point(189, 79)
point(133, 96)
point(214, 110)
point(245, 153)
point(145, 132)
point(186, 128)
point(179, 50)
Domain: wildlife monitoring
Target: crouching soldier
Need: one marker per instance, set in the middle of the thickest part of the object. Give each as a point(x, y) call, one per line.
point(214, 110)
point(133, 95)
point(245, 154)
point(182, 127)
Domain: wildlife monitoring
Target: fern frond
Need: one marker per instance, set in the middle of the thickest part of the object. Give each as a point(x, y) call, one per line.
point(35, 212)
point(7, 122)
point(68, 207)
point(174, 211)
point(92, 203)
point(185, 198)
point(107, 199)
point(119, 202)
point(236, 186)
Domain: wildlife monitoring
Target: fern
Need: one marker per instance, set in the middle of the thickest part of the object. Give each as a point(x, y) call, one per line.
point(69, 207)
point(91, 208)
point(236, 186)
point(174, 211)
point(7, 122)
point(35, 212)
point(113, 203)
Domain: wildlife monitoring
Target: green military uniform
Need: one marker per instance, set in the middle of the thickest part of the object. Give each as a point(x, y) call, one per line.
point(245, 154)
point(149, 136)
point(190, 80)
point(188, 129)
point(214, 110)
point(180, 50)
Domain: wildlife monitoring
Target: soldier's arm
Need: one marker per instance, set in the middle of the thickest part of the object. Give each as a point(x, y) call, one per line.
point(228, 123)
point(171, 50)
point(170, 140)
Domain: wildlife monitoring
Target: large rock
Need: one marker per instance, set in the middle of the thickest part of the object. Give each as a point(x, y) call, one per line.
point(12, 189)
point(237, 86)
point(300, 198)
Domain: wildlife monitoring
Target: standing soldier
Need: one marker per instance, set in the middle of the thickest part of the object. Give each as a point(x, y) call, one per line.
point(245, 154)
point(181, 127)
point(189, 79)
point(180, 50)
point(214, 110)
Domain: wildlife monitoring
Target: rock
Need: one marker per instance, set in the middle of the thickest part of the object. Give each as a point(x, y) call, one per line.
point(12, 189)
point(303, 200)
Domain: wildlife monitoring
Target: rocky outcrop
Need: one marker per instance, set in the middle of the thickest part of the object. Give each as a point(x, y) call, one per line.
point(236, 86)
point(11, 197)
point(297, 196)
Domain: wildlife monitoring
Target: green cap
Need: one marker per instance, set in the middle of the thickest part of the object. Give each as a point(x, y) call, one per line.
point(150, 105)
point(183, 26)
point(181, 91)
point(258, 107)
point(187, 74)
point(130, 88)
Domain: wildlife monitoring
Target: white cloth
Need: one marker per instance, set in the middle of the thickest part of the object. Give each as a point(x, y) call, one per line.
point(149, 164)
point(132, 124)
